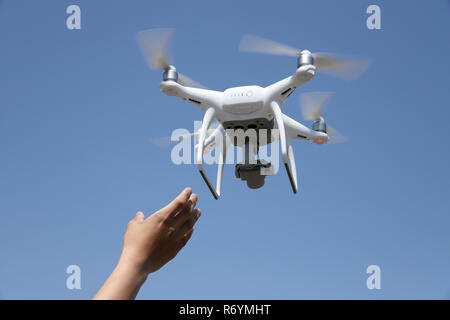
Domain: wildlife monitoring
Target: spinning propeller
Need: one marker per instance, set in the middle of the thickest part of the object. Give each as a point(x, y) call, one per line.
point(167, 141)
point(344, 67)
point(312, 107)
point(155, 46)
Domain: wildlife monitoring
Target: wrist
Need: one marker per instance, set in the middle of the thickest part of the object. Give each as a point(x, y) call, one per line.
point(130, 270)
point(123, 283)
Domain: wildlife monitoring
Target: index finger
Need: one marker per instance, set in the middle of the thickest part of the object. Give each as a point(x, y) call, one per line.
point(176, 205)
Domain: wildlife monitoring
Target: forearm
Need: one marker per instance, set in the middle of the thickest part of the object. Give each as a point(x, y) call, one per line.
point(123, 283)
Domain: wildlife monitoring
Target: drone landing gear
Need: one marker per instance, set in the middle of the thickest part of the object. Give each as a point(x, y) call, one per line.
point(207, 119)
point(286, 148)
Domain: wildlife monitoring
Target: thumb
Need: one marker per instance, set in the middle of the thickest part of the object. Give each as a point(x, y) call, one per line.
point(140, 217)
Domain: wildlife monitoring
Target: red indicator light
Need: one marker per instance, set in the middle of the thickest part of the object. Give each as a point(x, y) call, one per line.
point(319, 141)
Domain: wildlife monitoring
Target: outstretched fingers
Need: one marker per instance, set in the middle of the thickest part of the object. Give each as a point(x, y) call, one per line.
point(188, 225)
point(176, 205)
point(180, 216)
point(186, 213)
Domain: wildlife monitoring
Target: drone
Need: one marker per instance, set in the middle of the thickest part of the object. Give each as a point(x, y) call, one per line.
point(252, 107)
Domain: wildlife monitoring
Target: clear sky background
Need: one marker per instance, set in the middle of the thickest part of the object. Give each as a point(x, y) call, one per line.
point(79, 109)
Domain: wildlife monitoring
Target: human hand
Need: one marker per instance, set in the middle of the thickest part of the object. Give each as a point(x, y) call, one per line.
point(150, 243)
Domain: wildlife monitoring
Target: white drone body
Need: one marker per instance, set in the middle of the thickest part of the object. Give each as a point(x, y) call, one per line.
point(249, 107)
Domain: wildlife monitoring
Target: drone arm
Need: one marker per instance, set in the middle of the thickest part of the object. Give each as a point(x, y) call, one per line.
point(202, 98)
point(296, 130)
point(282, 89)
point(286, 147)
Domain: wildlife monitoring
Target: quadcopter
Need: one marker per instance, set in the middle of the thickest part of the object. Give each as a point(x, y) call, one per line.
point(252, 107)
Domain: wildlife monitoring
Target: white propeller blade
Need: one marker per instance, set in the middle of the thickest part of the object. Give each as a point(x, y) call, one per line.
point(165, 142)
point(188, 82)
point(313, 105)
point(155, 46)
point(335, 136)
point(344, 67)
point(251, 43)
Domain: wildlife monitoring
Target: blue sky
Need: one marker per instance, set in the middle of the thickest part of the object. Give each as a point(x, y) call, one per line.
point(78, 111)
